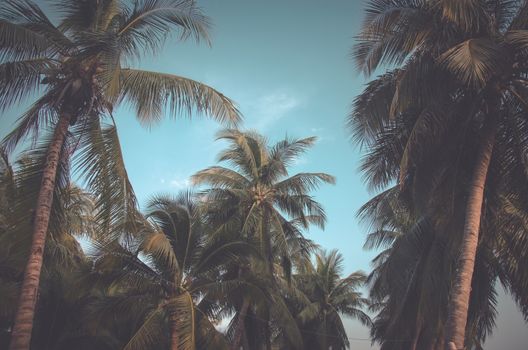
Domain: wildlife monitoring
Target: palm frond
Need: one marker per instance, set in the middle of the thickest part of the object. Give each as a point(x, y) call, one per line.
point(21, 79)
point(149, 332)
point(101, 163)
point(150, 93)
point(221, 177)
point(24, 19)
point(391, 32)
point(473, 61)
point(40, 115)
point(470, 15)
point(303, 182)
point(86, 16)
point(148, 23)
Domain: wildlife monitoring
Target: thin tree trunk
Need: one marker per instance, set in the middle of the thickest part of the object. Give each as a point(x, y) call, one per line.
point(174, 337)
point(239, 331)
point(23, 324)
point(325, 334)
point(460, 294)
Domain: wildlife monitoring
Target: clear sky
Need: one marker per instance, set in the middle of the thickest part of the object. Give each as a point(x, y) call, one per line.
point(286, 64)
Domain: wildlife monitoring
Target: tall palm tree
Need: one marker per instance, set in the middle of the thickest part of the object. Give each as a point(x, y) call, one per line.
point(76, 70)
point(454, 86)
point(326, 297)
point(408, 283)
point(257, 197)
point(172, 271)
point(71, 217)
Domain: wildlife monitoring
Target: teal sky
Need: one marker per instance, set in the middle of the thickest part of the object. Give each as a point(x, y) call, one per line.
point(286, 64)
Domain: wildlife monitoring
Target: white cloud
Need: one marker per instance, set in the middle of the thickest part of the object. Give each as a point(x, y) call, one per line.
point(270, 108)
point(300, 161)
point(180, 183)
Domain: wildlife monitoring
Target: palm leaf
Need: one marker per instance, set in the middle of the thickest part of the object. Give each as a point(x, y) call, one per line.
point(473, 61)
point(148, 23)
point(150, 92)
point(21, 79)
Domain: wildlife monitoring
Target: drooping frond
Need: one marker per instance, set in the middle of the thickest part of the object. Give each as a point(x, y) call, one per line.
point(303, 183)
point(218, 176)
point(148, 333)
point(101, 163)
point(391, 32)
point(28, 32)
point(39, 116)
point(150, 93)
point(371, 109)
point(20, 79)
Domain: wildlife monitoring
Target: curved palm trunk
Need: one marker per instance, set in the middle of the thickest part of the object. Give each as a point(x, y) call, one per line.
point(239, 332)
point(459, 301)
point(23, 324)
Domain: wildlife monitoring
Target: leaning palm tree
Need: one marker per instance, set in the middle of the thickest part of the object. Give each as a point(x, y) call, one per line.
point(71, 217)
point(172, 273)
point(454, 87)
point(257, 198)
point(326, 297)
point(76, 70)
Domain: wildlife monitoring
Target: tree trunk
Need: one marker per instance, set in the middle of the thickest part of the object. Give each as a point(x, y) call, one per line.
point(239, 331)
point(460, 294)
point(174, 337)
point(23, 324)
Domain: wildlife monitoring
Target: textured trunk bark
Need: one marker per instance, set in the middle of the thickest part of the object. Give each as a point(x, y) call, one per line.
point(174, 337)
point(459, 301)
point(23, 325)
point(240, 326)
point(324, 340)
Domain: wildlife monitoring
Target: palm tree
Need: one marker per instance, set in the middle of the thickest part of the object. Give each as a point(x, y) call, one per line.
point(71, 217)
point(326, 297)
point(257, 197)
point(408, 288)
point(75, 68)
point(455, 87)
point(171, 271)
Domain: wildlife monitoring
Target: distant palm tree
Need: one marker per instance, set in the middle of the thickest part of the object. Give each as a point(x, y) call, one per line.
point(257, 197)
point(76, 71)
point(327, 297)
point(459, 95)
point(172, 271)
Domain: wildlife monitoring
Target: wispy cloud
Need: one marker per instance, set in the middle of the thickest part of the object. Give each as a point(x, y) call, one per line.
point(270, 108)
point(180, 183)
point(299, 161)
point(176, 182)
